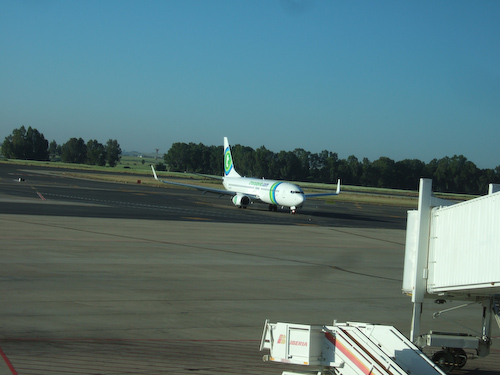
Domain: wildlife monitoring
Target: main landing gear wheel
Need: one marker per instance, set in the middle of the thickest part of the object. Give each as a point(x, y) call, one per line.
point(273, 207)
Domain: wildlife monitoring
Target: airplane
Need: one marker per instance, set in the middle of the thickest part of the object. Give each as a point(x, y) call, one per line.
point(245, 190)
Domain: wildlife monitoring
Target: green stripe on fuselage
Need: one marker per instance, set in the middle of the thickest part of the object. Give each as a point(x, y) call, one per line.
point(272, 192)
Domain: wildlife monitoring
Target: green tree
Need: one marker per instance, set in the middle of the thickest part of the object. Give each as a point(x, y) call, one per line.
point(37, 147)
point(215, 156)
point(14, 145)
point(303, 172)
point(316, 165)
point(287, 165)
point(26, 144)
point(355, 169)
point(96, 153)
point(344, 171)
point(74, 151)
point(176, 157)
point(199, 158)
point(9, 145)
point(54, 149)
point(489, 176)
point(265, 163)
point(244, 159)
point(368, 175)
point(385, 172)
point(113, 152)
point(330, 171)
point(465, 175)
point(160, 167)
point(409, 172)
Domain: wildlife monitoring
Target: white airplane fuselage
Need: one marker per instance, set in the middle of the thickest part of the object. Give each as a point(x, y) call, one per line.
point(275, 193)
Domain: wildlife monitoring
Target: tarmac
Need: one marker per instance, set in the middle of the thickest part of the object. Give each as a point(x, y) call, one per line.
point(101, 278)
point(101, 296)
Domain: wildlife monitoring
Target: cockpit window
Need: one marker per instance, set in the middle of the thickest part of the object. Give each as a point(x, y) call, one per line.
point(296, 192)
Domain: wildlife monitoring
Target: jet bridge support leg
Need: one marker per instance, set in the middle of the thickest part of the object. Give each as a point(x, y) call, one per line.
point(422, 235)
point(415, 321)
point(485, 343)
point(496, 308)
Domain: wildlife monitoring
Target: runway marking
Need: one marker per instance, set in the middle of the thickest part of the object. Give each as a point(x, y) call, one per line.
point(197, 218)
point(39, 194)
point(7, 362)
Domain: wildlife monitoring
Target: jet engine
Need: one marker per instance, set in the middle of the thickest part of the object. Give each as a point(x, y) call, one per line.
point(240, 200)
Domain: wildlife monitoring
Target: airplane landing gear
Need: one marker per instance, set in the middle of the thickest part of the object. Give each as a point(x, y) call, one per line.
point(273, 207)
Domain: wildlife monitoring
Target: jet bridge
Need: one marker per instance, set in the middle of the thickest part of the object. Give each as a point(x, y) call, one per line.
point(453, 254)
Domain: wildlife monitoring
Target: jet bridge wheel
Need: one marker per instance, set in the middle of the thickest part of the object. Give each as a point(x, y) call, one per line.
point(445, 360)
point(459, 355)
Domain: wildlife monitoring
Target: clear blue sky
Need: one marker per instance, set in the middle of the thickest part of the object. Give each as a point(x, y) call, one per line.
point(402, 79)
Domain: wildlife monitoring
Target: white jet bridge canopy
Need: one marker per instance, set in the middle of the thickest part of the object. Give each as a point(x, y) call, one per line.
point(460, 255)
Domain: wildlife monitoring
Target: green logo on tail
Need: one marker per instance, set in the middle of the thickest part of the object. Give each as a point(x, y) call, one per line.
point(228, 161)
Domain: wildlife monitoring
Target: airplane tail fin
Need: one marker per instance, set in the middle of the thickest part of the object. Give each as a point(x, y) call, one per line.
point(229, 170)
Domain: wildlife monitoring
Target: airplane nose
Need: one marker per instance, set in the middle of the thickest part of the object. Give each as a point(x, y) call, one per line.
point(301, 198)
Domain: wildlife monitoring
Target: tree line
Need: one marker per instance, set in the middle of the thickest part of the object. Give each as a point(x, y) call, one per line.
point(449, 174)
point(30, 144)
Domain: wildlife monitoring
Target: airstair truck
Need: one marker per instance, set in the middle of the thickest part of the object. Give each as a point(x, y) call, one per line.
point(346, 349)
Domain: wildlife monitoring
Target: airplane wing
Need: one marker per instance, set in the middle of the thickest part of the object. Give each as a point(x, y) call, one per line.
point(324, 194)
point(197, 187)
point(207, 176)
